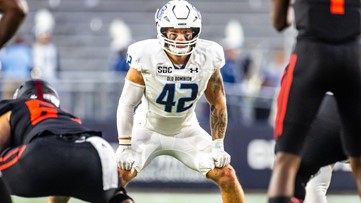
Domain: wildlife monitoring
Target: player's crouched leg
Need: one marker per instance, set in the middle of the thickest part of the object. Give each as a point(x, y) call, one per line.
point(228, 183)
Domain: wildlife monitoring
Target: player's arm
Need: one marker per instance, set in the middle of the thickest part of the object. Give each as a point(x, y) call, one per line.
point(132, 93)
point(215, 96)
point(135, 76)
point(5, 131)
point(13, 14)
point(279, 14)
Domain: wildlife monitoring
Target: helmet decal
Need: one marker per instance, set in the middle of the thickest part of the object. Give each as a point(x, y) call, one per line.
point(39, 91)
point(160, 12)
point(181, 12)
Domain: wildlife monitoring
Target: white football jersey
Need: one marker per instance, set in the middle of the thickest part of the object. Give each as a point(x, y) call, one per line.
point(171, 93)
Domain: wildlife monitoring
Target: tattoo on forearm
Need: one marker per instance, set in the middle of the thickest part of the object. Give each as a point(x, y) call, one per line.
point(217, 84)
point(218, 122)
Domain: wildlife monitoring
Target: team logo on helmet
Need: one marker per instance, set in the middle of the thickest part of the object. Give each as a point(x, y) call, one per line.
point(160, 12)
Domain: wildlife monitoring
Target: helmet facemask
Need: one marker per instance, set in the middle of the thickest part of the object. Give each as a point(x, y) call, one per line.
point(179, 47)
point(178, 14)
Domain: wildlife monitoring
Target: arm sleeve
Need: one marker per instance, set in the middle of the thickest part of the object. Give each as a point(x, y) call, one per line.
point(131, 95)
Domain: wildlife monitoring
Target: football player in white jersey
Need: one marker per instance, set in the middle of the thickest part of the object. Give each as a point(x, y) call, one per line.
point(167, 77)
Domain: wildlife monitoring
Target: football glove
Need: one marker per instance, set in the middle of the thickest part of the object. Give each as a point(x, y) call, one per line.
point(220, 157)
point(125, 157)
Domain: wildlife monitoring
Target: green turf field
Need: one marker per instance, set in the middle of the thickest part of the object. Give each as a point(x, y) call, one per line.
point(192, 197)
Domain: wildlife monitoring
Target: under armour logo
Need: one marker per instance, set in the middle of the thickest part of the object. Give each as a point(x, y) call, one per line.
point(129, 59)
point(196, 70)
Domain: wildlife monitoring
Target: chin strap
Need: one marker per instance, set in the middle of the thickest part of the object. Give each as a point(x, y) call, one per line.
point(180, 51)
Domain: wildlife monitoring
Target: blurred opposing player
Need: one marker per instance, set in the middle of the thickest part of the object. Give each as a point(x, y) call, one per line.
point(322, 148)
point(315, 172)
point(169, 76)
point(13, 13)
point(323, 60)
point(317, 186)
point(48, 152)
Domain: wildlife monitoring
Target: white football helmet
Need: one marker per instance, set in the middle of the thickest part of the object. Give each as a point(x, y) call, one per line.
point(178, 14)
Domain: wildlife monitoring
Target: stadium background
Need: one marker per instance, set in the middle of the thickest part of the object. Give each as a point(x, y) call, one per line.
point(90, 89)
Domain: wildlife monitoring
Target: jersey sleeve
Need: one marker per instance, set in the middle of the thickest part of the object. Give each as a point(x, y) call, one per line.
point(134, 56)
point(218, 54)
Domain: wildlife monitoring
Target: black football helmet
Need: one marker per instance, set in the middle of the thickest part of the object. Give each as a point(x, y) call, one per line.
point(37, 89)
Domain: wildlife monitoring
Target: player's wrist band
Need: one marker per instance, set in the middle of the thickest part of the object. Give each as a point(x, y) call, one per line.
point(217, 143)
point(124, 141)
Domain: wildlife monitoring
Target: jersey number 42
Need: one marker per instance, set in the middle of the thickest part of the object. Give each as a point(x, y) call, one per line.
point(167, 97)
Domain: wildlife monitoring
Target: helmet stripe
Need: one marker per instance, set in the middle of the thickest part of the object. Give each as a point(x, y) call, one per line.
point(39, 89)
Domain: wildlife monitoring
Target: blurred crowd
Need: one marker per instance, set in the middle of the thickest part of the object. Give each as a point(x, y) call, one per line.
point(251, 87)
point(22, 60)
point(251, 81)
